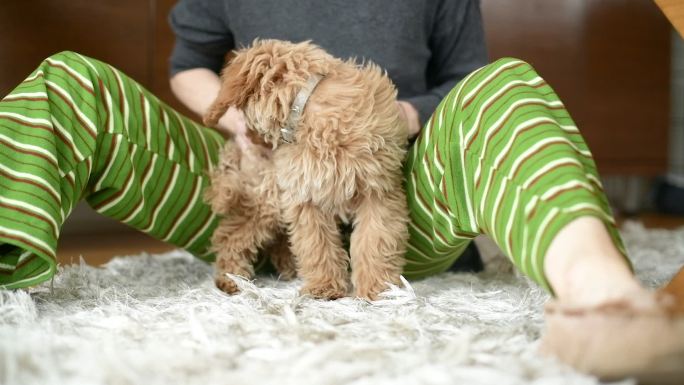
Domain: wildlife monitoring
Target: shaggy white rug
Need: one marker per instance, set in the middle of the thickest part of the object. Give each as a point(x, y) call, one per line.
point(159, 320)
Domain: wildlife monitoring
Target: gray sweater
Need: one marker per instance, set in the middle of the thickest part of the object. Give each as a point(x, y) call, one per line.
point(426, 46)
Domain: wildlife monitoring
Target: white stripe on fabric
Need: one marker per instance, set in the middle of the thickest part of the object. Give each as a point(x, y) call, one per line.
point(183, 130)
point(89, 124)
point(36, 210)
point(421, 232)
point(67, 135)
point(198, 234)
point(469, 206)
point(42, 122)
point(494, 74)
point(427, 257)
point(72, 202)
point(566, 186)
point(476, 125)
point(531, 150)
point(110, 110)
point(5, 266)
point(497, 202)
point(145, 179)
point(205, 148)
point(165, 119)
point(531, 205)
point(31, 147)
point(27, 281)
point(547, 167)
point(27, 238)
point(32, 177)
point(71, 71)
point(146, 116)
point(34, 76)
point(536, 269)
point(114, 152)
point(425, 209)
point(491, 129)
point(20, 95)
point(126, 189)
point(516, 163)
point(88, 63)
point(24, 256)
point(165, 197)
point(127, 109)
point(594, 179)
point(185, 213)
point(511, 216)
point(449, 221)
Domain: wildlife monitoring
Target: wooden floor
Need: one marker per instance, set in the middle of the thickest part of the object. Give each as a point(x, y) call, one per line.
point(656, 221)
point(97, 249)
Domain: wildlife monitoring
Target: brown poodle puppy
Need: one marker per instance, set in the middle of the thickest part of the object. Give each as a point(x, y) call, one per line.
point(337, 158)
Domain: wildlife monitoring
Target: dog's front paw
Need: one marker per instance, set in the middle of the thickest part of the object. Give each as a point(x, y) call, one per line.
point(370, 289)
point(225, 284)
point(327, 291)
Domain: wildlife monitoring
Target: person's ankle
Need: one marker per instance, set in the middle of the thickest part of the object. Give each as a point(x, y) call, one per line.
point(585, 284)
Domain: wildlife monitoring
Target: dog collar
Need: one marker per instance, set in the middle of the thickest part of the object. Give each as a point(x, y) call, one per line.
point(287, 133)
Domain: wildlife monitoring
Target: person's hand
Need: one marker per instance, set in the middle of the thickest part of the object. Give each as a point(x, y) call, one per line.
point(410, 115)
point(233, 123)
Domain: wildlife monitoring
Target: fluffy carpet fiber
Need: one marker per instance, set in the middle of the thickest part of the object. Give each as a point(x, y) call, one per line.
point(157, 319)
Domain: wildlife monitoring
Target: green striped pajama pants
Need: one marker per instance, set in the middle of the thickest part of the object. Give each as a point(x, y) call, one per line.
point(500, 156)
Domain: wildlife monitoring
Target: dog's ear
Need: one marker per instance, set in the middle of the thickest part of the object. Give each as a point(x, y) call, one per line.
point(238, 82)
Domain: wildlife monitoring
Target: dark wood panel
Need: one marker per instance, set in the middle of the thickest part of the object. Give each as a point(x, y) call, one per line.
point(609, 61)
point(628, 81)
point(115, 31)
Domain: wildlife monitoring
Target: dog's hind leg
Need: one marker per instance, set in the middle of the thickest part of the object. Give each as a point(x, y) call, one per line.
point(233, 262)
point(378, 242)
point(282, 258)
point(236, 242)
point(235, 252)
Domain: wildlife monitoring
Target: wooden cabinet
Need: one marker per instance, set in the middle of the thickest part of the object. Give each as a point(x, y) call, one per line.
point(132, 35)
point(608, 60)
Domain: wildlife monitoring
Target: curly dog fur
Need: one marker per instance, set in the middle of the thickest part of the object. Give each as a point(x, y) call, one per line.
point(244, 191)
point(345, 164)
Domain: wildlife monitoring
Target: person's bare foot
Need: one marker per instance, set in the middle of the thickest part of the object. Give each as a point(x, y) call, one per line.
point(584, 268)
point(602, 320)
point(640, 337)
